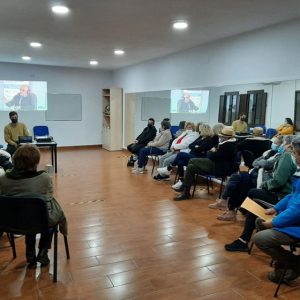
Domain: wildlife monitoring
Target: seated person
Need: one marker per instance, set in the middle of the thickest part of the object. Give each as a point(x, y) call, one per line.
point(158, 146)
point(240, 126)
point(217, 129)
point(286, 128)
point(5, 160)
point(220, 161)
point(180, 130)
point(180, 144)
point(257, 144)
point(271, 191)
point(239, 185)
point(24, 179)
point(147, 135)
point(198, 148)
point(283, 229)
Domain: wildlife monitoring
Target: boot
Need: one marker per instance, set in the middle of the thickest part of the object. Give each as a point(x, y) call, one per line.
point(43, 257)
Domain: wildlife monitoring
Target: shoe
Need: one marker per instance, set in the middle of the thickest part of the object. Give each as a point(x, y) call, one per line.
point(135, 165)
point(237, 246)
point(182, 197)
point(158, 177)
point(177, 185)
point(31, 257)
point(43, 257)
point(180, 189)
point(166, 178)
point(229, 215)
point(219, 204)
point(163, 171)
point(130, 163)
point(138, 170)
point(289, 276)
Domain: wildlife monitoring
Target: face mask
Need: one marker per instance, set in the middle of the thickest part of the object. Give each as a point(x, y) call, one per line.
point(188, 131)
point(280, 149)
point(274, 147)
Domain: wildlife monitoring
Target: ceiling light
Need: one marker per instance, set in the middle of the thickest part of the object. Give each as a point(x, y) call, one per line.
point(26, 57)
point(119, 52)
point(180, 25)
point(93, 62)
point(60, 9)
point(35, 44)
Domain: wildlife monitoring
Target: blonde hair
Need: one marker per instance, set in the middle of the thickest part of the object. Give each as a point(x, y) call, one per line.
point(205, 130)
point(218, 128)
point(189, 124)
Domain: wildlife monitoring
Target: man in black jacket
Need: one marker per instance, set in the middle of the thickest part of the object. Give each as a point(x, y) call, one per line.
point(147, 135)
point(220, 161)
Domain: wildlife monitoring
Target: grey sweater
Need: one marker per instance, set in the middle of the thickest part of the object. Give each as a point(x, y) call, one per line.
point(162, 140)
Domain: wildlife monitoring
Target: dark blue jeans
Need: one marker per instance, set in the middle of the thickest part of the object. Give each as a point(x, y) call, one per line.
point(144, 152)
point(182, 160)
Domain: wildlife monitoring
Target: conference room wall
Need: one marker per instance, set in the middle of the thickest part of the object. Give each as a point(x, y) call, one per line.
point(88, 83)
point(261, 56)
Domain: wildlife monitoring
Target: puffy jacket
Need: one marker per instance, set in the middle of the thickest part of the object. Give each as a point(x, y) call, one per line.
point(288, 212)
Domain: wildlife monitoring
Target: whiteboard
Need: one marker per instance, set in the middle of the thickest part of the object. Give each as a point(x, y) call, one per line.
point(64, 107)
point(157, 108)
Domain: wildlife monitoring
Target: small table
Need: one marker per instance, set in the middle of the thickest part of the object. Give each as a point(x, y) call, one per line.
point(53, 146)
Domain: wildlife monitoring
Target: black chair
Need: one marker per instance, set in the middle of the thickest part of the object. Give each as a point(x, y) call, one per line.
point(248, 158)
point(28, 215)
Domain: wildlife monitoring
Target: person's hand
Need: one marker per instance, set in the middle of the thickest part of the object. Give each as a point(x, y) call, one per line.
point(5, 100)
point(135, 141)
point(213, 149)
point(197, 146)
point(270, 211)
point(267, 224)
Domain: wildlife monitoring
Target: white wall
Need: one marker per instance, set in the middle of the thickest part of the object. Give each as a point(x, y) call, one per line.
point(270, 54)
point(88, 83)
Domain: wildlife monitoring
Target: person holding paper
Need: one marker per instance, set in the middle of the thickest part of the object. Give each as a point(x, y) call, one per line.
point(283, 229)
point(271, 191)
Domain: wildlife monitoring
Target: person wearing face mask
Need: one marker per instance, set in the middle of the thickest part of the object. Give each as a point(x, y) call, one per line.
point(240, 126)
point(147, 135)
point(220, 161)
point(12, 131)
point(283, 229)
point(270, 191)
point(286, 128)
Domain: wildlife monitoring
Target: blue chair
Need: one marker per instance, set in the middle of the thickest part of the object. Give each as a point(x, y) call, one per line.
point(174, 129)
point(270, 133)
point(40, 131)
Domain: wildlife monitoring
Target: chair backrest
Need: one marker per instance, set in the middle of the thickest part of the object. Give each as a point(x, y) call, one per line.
point(23, 215)
point(40, 131)
point(174, 129)
point(270, 133)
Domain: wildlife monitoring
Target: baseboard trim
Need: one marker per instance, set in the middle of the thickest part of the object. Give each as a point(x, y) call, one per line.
point(83, 147)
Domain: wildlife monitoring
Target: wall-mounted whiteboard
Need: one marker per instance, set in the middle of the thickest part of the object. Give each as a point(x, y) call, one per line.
point(157, 108)
point(64, 107)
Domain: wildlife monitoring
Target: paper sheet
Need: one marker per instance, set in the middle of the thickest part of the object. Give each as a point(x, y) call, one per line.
point(256, 209)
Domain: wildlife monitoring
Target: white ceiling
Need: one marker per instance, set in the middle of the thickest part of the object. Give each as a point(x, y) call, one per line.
point(143, 28)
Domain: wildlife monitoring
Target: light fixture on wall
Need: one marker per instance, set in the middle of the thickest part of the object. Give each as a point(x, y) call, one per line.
point(119, 52)
point(93, 62)
point(36, 45)
point(180, 25)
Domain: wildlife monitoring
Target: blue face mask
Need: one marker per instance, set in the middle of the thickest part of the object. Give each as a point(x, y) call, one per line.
point(280, 149)
point(274, 147)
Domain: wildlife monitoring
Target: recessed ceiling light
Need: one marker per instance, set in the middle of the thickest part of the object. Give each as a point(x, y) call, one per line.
point(35, 44)
point(26, 57)
point(119, 52)
point(93, 62)
point(180, 25)
point(60, 9)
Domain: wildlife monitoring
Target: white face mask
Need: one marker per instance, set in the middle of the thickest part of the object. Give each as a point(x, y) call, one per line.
point(188, 131)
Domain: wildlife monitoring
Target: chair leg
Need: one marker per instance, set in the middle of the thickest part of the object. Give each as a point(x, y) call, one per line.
point(195, 183)
point(176, 177)
point(279, 283)
point(250, 248)
point(221, 187)
point(55, 257)
point(11, 239)
point(67, 247)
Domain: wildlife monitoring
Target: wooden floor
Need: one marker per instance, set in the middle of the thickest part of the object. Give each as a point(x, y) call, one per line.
point(130, 240)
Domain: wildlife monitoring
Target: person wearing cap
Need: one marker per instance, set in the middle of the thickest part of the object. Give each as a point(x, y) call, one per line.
point(257, 143)
point(220, 161)
point(240, 126)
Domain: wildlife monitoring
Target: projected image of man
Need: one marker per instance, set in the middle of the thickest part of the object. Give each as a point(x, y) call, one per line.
point(24, 100)
point(185, 104)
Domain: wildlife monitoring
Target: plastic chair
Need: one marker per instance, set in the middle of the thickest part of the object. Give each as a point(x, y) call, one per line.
point(40, 131)
point(28, 215)
point(174, 129)
point(270, 133)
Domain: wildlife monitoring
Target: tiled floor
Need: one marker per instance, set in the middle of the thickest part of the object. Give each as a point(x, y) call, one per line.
point(130, 240)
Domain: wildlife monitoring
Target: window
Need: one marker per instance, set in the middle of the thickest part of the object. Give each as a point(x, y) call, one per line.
point(297, 111)
point(257, 105)
point(228, 108)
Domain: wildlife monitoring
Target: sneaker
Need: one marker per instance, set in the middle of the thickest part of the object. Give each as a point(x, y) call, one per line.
point(163, 171)
point(166, 178)
point(238, 246)
point(219, 204)
point(182, 197)
point(43, 257)
point(229, 215)
point(158, 177)
point(177, 185)
point(138, 170)
point(135, 167)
